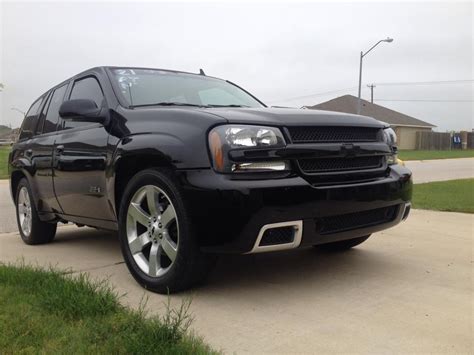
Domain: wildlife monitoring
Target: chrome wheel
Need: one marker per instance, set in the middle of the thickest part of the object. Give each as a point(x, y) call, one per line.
point(24, 211)
point(152, 230)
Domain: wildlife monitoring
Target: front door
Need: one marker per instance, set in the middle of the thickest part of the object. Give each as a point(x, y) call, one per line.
point(80, 160)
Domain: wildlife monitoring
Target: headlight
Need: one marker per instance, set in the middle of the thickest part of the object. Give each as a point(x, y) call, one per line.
point(390, 137)
point(223, 139)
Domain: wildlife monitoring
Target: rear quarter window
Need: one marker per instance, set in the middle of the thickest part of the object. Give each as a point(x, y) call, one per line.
point(28, 126)
point(51, 117)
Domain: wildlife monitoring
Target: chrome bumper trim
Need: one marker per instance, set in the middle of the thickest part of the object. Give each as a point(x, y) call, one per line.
point(298, 227)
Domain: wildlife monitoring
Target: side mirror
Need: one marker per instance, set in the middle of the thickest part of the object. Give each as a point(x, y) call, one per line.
point(81, 110)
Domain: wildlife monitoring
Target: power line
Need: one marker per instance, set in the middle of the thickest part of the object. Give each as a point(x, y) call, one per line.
point(427, 82)
point(314, 95)
point(423, 100)
point(408, 83)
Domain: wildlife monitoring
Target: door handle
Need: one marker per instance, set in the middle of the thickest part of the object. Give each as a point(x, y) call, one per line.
point(59, 149)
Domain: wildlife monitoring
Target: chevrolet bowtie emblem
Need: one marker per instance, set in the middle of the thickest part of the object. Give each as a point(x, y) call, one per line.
point(349, 149)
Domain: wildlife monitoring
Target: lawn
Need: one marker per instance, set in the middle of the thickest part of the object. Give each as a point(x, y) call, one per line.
point(434, 154)
point(48, 312)
point(3, 162)
point(453, 196)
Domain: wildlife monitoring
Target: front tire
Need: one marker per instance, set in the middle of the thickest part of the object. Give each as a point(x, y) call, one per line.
point(343, 244)
point(32, 229)
point(157, 238)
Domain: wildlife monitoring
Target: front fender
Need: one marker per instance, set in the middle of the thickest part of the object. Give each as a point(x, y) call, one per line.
point(174, 150)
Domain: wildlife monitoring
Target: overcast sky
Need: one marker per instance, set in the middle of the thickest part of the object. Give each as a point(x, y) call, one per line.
point(276, 51)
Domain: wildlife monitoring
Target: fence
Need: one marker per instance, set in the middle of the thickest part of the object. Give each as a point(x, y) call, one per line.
point(433, 141)
point(470, 140)
point(443, 141)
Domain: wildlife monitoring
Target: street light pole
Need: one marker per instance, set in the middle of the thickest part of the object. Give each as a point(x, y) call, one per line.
point(362, 55)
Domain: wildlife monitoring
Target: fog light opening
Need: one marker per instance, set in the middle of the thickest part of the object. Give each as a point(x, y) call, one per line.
point(392, 159)
point(264, 166)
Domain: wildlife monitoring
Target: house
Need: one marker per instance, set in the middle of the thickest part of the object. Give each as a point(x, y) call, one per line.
point(405, 126)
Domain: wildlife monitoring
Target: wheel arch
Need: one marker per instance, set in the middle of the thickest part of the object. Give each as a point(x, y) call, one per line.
point(128, 166)
point(147, 150)
point(15, 179)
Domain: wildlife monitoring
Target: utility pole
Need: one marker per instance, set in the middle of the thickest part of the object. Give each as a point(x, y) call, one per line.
point(371, 86)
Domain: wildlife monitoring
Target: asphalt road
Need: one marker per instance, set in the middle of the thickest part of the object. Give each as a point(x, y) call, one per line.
point(406, 290)
point(423, 171)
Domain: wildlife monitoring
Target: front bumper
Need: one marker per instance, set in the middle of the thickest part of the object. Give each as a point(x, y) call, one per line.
point(230, 214)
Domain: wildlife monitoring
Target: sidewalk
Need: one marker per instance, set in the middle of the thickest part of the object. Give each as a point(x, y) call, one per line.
point(441, 169)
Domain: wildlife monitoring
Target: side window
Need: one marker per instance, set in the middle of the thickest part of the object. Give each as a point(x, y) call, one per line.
point(42, 115)
point(31, 119)
point(87, 88)
point(51, 117)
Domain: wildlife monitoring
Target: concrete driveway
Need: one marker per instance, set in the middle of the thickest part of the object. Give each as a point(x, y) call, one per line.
point(408, 289)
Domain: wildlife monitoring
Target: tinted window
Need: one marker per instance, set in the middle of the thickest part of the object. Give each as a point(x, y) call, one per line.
point(52, 116)
point(42, 115)
point(87, 88)
point(29, 123)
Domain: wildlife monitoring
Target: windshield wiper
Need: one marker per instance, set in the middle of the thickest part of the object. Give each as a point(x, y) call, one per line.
point(166, 103)
point(230, 105)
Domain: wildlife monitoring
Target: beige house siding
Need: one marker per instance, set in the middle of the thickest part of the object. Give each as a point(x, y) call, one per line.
point(407, 136)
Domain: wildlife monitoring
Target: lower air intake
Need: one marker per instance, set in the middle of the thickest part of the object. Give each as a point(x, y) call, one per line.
point(340, 164)
point(275, 236)
point(345, 222)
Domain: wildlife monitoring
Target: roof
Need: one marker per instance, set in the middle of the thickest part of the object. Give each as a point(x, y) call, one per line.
point(348, 104)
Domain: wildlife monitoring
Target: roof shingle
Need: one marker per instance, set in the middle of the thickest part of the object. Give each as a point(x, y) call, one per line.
point(348, 104)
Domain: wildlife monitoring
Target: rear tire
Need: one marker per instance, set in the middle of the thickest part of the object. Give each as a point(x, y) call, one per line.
point(157, 237)
point(343, 244)
point(32, 229)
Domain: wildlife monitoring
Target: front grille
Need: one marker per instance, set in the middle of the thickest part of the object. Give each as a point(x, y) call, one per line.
point(345, 222)
point(340, 164)
point(280, 235)
point(333, 134)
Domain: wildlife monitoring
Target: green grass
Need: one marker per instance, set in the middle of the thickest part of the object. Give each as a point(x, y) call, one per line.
point(453, 196)
point(4, 151)
point(48, 312)
point(434, 154)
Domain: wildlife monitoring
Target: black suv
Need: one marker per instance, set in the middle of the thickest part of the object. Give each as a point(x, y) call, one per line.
point(185, 166)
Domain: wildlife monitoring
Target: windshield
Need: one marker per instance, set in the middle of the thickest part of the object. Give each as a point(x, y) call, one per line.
point(147, 87)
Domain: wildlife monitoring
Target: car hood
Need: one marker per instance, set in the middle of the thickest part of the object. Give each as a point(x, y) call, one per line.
point(291, 117)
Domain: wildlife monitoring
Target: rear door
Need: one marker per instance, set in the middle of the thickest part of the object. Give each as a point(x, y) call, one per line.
point(80, 158)
point(41, 149)
point(23, 156)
